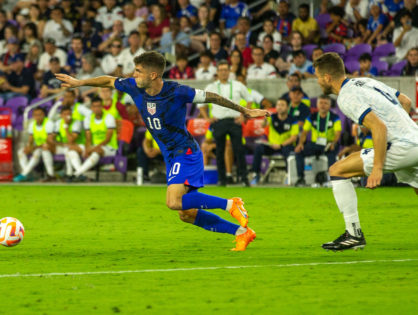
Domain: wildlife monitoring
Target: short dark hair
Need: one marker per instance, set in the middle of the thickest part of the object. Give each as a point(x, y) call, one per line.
point(406, 13)
point(244, 18)
point(295, 75)
point(72, 91)
point(207, 53)
point(330, 63)
point(96, 99)
point(216, 34)
point(337, 11)
point(298, 53)
point(43, 110)
point(151, 59)
point(222, 63)
point(181, 57)
point(325, 97)
point(304, 6)
point(66, 108)
point(318, 48)
point(258, 47)
point(365, 57)
point(269, 37)
point(283, 99)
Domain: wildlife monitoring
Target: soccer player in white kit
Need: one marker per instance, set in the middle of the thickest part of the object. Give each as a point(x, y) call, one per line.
point(384, 111)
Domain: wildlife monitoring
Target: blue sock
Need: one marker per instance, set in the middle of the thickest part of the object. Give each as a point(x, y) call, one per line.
point(214, 223)
point(197, 200)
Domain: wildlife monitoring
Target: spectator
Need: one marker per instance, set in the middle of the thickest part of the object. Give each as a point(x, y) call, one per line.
point(268, 29)
point(58, 28)
point(306, 25)
point(244, 27)
point(175, 41)
point(130, 20)
point(159, 25)
point(405, 37)
point(393, 6)
point(182, 70)
point(257, 99)
point(285, 59)
point(30, 35)
point(225, 121)
point(19, 82)
point(336, 29)
point(74, 56)
point(148, 152)
point(3, 23)
point(325, 128)
point(360, 34)
point(300, 64)
point(89, 36)
point(206, 70)
point(260, 69)
point(316, 53)
point(237, 65)
point(215, 47)
point(356, 10)
point(366, 68)
point(270, 55)
point(117, 32)
point(298, 110)
point(186, 9)
point(111, 104)
point(144, 39)
point(129, 53)
point(108, 14)
point(79, 111)
point(50, 84)
point(89, 69)
point(101, 138)
point(240, 44)
point(32, 58)
point(11, 51)
point(376, 23)
point(411, 7)
point(282, 135)
point(111, 63)
point(141, 9)
point(10, 31)
point(37, 17)
point(71, 13)
point(284, 20)
point(40, 144)
point(294, 80)
point(411, 67)
point(51, 50)
point(69, 136)
point(230, 14)
point(362, 140)
point(202, 28)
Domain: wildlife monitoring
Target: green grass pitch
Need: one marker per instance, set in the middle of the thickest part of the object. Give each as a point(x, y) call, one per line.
point(102, 229)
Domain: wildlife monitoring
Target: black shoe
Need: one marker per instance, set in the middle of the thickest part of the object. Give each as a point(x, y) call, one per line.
point(346, 241)
point(80, 179)
point(222, 183)
point(300, 183)
point(69, 179)
point(246, 183)
point(229, 180)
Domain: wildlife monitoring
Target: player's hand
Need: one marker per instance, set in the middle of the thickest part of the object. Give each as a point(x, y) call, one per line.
point(254, 113)
point(68, 81)
point(374, 179)
point(299, 148)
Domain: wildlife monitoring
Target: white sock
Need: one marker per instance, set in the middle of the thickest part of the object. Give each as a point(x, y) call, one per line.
point(91, 161)
point(34, 160)
point(23, 159)
point(74, 159)
point(48, 162)
point(241, 230)
point(229, 204)
point(346, 198)
point(68, 168)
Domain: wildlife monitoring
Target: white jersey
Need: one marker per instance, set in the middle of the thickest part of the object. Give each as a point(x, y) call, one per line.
point(361, 95)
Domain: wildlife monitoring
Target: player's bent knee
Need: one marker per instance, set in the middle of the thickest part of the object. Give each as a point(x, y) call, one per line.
point(173, 204)
point(335, 170)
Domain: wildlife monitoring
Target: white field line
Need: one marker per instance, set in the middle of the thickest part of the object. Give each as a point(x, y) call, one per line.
point(83, 273)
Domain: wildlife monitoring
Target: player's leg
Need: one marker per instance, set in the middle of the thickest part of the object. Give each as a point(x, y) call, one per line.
point(74, 153)
point(219, 134)
point(346, 199)
point(229, 161)
point(24, 163)
point(308, 150)
point(33, 161)
point(235, 133)
point(91, 161)
point(48, 160)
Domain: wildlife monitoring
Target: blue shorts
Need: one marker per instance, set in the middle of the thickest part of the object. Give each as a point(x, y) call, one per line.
point(186, 169)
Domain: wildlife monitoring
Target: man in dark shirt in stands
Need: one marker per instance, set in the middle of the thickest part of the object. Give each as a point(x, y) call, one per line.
point(19, 82)
point(50, 84)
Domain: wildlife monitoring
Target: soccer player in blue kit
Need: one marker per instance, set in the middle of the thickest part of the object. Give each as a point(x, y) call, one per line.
point(162, 105)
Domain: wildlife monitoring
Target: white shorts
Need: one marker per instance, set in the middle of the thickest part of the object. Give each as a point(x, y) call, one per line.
point(400, 159)
point(60, 149)
point(108, 150)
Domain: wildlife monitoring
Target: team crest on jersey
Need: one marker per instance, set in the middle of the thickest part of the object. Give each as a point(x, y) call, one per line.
point(152, 108)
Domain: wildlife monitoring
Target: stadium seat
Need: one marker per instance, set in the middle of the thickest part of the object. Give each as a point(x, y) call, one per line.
point(356, 51)
point(397, 68)
point(1, 102)
point(381, 66)
point(352, 66)
point(338, 48)
point(308, 49)
point(384, 50)
point(322, 20)
point(15, 104)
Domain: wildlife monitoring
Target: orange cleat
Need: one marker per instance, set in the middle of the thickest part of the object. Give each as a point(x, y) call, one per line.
point(238, 211)
point(244, 239)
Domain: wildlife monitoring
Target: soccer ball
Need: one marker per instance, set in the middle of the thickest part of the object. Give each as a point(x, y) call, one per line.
point(11, 231)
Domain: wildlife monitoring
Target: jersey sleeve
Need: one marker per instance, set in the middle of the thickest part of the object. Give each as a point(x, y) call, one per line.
point(257, 97)
point(30, 130)
point(294, 130)
point(337, 124)
point(84, 110)
point(190, 95)
point(110, 122)
point(125, 84)
point(87, 123)
point(49, 127)
point(353, 107)
point(307, 126)
point(76, 128)
point(57, 126)
point(244, 92)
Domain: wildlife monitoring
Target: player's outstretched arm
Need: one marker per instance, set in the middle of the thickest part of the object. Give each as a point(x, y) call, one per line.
point(379, 134)
point(222, 101)
point(71, 82)
point(405, 102)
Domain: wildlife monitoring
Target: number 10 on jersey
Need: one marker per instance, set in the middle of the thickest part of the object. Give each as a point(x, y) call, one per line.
point(154, 123)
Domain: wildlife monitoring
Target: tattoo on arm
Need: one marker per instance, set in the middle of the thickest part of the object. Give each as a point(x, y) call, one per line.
point(222, 101)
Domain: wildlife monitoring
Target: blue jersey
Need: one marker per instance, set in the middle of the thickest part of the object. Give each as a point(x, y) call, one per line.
point(164, 115)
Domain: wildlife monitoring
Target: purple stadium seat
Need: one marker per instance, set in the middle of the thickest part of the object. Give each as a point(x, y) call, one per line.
point(381, 66)
point(308, 49)
point(356, 51)
point(322, 20)
point(397, 68)
point(384, 50)
point(338, 48)
point(15, 104)
point(352, 65)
